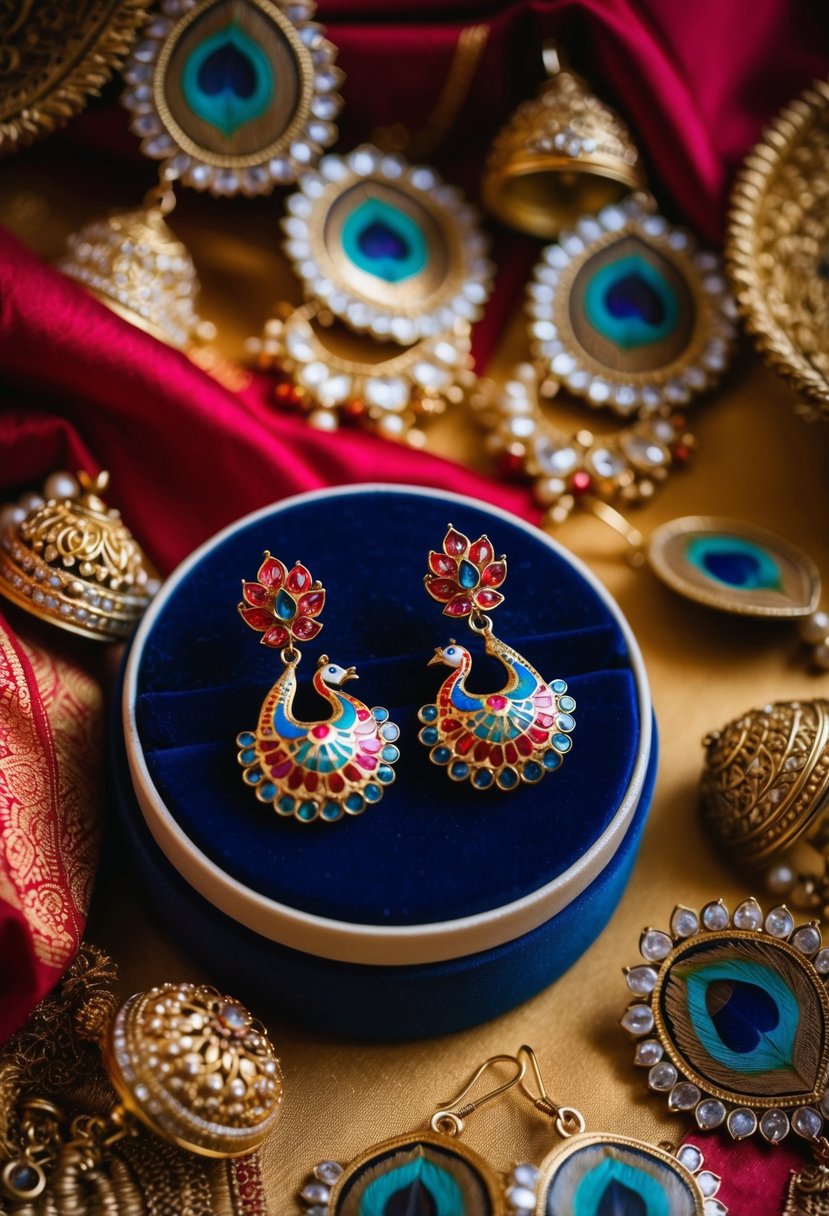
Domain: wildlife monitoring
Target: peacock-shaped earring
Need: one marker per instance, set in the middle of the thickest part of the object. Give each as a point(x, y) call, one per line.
point(502, 738)
point(325, 769)
point(231, 96)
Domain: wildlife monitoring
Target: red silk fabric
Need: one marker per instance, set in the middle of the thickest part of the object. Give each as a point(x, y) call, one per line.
point(755, 1175)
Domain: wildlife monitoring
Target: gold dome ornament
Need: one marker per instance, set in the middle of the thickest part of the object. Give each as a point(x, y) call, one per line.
point(561, 155)
point(765, 794)
point(55, 57)
point(68, 558)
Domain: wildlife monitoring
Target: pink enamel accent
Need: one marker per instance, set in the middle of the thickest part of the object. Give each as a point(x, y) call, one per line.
point(321, 732)
point(496, 702)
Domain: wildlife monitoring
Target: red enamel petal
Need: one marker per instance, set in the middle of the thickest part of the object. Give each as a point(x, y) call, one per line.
point(524, 745)
point(494, 574)
point(258, 618)
point(485, 598)
point(496, 755)
point(461, 605)
point(440, 564)
point(481, 752)
point(256, 595)
point(440, 589)
point(312, 603)
point(336, 784)
point(510, 753)
point(304, 629)
point(277, 636)
point(271, 572)
point(311, 782)
point(481, 552)
point(450, 725)
point(465, 744)
point(299, 579)
point(455, 544)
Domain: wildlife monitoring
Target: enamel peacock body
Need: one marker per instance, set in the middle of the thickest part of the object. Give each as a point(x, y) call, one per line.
point(324, 769)
point(515, 734)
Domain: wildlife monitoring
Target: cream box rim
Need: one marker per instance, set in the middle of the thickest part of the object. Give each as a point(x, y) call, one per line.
point(377, 945)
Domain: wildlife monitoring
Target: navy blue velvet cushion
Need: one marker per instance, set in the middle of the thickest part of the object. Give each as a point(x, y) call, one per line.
point(431, 850)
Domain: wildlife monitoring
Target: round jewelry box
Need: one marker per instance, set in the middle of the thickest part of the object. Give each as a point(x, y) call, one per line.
point(443, 906)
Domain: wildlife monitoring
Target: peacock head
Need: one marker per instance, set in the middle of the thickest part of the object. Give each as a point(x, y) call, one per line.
point(452, 655)
point(332, 674)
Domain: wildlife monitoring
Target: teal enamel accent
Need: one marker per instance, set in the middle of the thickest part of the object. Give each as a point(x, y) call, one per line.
point(372, 793)
point(284, 606)
point(468, 576)
point(380, 713)
point(428, 713)
point(482, 779)
point(227, 108)
point(306, 811)
point(385, 774)
point(253, 776)
point(285, 805)
point(595, 1184)
point(415, 1177)
point(245, 739)
point(563, 743)
point(734, 562)
point(533, 771)
point(390, 753)
point(507, 779)
point(565, 722)
point(441, 755)
point(354, 802)
point(248, 756)
point(632, 330)
point(429, 735)
point(551, 760)
point(559, 686)
point(567, 704)
point(267, 789)
point(775, 1046)
point(374, 213)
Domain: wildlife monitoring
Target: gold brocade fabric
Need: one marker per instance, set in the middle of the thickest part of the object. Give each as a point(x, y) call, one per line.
point(757, 461)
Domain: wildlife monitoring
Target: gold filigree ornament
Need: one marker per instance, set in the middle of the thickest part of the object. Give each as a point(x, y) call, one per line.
point(395, 270)
point(68, 558)
point(53, 58)
point(764, 798)
point(776, 245)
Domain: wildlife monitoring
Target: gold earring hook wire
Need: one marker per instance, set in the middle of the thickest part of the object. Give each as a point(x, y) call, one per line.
point(448, 1120)
point(568, 1120)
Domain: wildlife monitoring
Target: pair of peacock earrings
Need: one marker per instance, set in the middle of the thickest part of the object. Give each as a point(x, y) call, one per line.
point(337, 766)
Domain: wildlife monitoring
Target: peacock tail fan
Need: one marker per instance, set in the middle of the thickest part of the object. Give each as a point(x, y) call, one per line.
point(605, 1180)
point(416, 1179)
point(748, 1018)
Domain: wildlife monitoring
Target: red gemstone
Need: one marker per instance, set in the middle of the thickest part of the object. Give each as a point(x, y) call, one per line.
point(311, 782)
point(304, 629)
point(462, 746)
point(443, 566)
point(363, 714)
point(299, 579)
point(364, 761)
point(440, 589)
point(544, 720)
point(320, 732)
point(295, 779)
point(271, 572)
point(481, 752)
point(336, 783)
point(450, 725)
point(496, 702)
point(256, 594)
point(510, 753)
point(485, 598)
point(538, 736)
point(681, 453)
point(455, 544)
point(481, 552)
point(277, 637)
point(312, 603)
point(286, 394)
point(281, 769)
point(353, 773)
point(494, 574)
point(580, 482)
point(496, 755)
point(461, 605)
point(257, 618)
point(524, 745)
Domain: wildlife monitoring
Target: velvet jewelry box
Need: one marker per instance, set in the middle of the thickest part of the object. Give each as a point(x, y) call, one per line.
point(441, 906)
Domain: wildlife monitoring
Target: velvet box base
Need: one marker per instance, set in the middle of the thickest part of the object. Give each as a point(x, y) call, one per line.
point(442, 906)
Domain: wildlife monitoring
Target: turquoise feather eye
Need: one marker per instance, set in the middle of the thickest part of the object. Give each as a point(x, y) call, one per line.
point(618, 1177)
point(227, 80)
point(735, 562)
point(618, 1188)
point(418, 1188)
point(418, 1177)
point(631, 303)
point(385, 242)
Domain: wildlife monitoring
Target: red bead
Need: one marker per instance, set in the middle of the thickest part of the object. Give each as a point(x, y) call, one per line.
point(461, 605)
point(443, 566)
point(455, 544)
point(496, 702)
point(312, 603)
point(681, 453)
point(494, 574)
point(481, 552)
point(304, 629)
point(321, 731)
point(450, 725)
point(580, 482)
point(299, 579)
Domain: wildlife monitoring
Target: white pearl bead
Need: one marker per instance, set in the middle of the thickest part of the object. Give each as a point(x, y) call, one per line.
point(61, 485)
point(30, 501)
point(10, 516)
point(780, 878)
point(323, 420)
point(820, 656)
point(815, 628)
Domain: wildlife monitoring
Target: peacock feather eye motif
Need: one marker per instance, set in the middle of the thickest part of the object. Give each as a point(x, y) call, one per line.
point(234, 96)
point(419, 1175)
point(734, 567)
point(606, 1175)
point(732, 1015)
point(628, 313)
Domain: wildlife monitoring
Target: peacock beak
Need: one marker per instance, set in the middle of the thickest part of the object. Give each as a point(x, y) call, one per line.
point(437, 657)
point(350, 674)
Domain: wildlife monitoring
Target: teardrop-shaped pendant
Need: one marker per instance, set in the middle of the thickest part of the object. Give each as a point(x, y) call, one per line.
point(732, 1017)
point(734, 567)
point(600, 1174)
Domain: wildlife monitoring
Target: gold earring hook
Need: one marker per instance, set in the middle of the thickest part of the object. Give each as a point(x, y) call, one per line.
point(568, 1120)
point(450, 1122)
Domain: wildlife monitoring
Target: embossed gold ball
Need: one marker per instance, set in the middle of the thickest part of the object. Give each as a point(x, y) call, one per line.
point(196, 1068)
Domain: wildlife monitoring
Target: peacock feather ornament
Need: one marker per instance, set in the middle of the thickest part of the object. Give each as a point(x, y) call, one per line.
point(503, 738)
point(327, 769)
point(731, 1014)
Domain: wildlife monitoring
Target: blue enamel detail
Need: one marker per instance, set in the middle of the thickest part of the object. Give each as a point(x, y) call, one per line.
point(562, 743)
point(284, 606)
point(228, 80)
point(468, 576)
point(419, 1186)
point(428, 713)
point(533, 771)
point(245, 739)
point(483, 778)
point(734, 562)
point(379, 713)
point(355, 803)
point(441, 755)
point(306, 811)
point(331, 811)
point(372, 792)
point(507, 779)
point(286, 804)
point(551, 760)
point(630, 303)
point(567, 704)
point(385, 774)
point(565, 722)
point(559, 686)
point(390, 753)
point(459, 770)
point(617, 1188)
point(744, 992)
point(253, 776)
point(390, 731)
point(267, 790)
point(385, 242)
point(429, 735)
point(248, 756)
